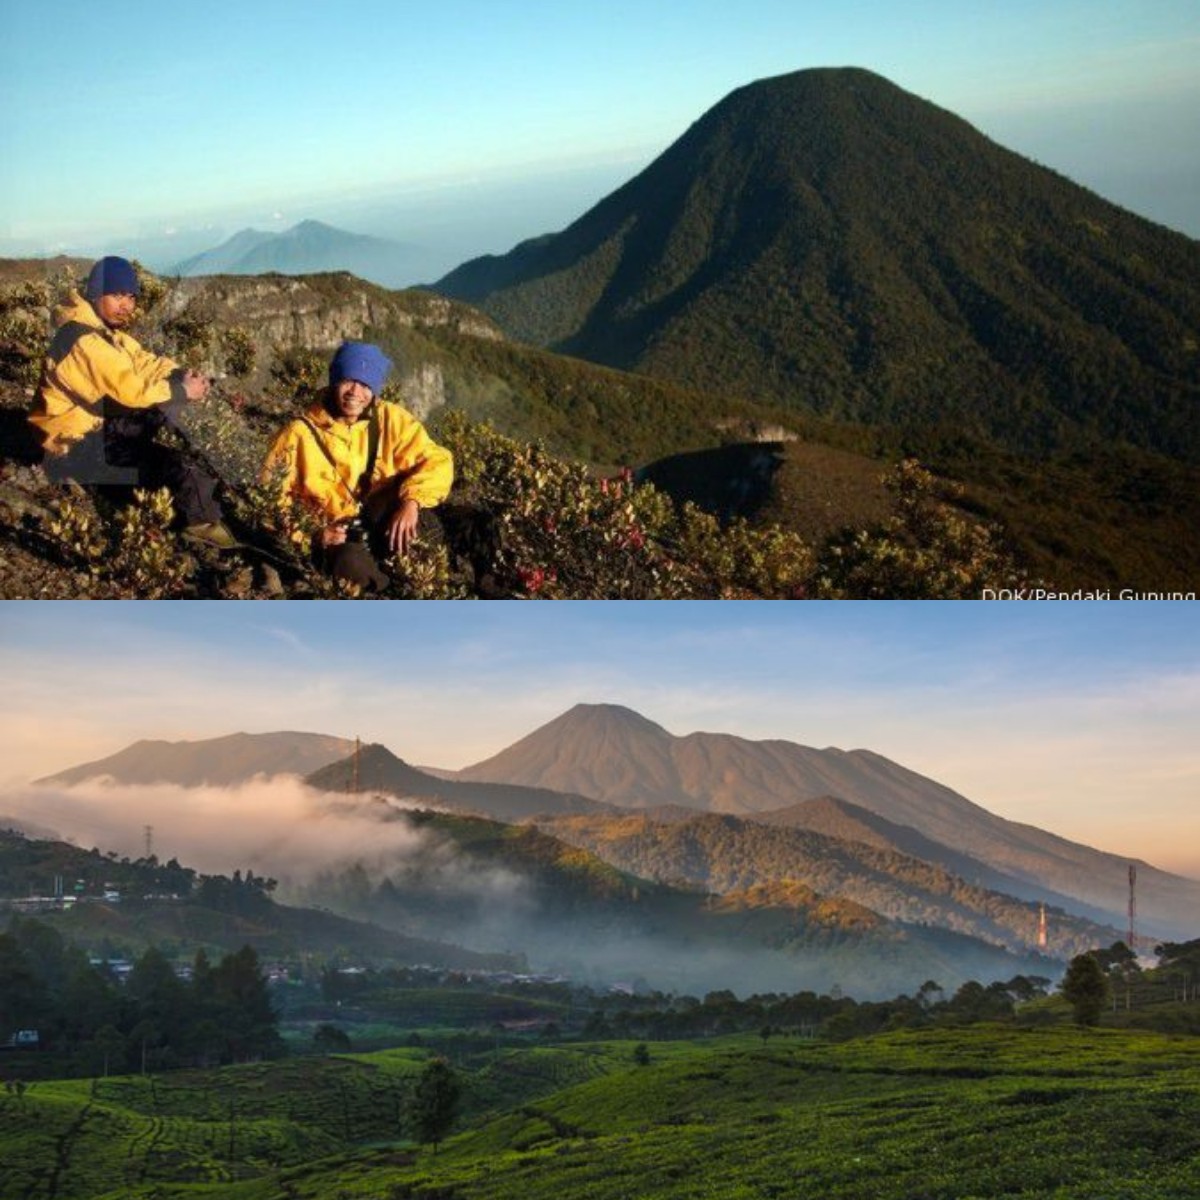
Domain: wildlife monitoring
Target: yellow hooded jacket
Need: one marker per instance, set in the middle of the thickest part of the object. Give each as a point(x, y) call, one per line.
point(322, 460)
point(88, 362)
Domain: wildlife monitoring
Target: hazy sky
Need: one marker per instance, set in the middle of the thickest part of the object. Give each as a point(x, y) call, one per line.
point(1078, 718)
point(483, 121)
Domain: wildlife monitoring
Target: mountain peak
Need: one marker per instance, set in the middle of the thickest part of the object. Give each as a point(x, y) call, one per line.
point(308, 247)
point(591, 749)
point(310, 225)
point(833, 243)
point(615, 714)
point(378, 770)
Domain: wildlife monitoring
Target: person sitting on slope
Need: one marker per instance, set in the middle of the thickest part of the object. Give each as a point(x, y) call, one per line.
point(365, 465)
point(102, 398)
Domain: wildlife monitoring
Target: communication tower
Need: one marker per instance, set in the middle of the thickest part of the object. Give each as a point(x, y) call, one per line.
point(357, 756)
point(1132, 908)
point(1042, 938)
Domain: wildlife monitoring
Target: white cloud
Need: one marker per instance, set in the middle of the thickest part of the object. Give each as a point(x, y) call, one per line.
point(274, 825)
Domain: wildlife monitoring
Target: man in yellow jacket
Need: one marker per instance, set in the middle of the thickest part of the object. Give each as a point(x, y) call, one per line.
point(366, 466)
point(102, 397)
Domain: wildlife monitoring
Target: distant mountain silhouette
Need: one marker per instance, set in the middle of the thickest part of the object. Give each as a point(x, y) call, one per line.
point(228, 760)
point(613, 754)
point(307, 248)
point(833, 243)
point(379, 770)
point(597, 761)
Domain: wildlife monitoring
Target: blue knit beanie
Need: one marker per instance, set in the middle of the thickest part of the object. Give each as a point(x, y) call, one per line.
point(361, 362)
point(111, 275)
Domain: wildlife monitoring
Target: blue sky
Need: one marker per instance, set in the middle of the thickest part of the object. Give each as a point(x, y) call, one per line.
point(1079, 718)
point(473, 123)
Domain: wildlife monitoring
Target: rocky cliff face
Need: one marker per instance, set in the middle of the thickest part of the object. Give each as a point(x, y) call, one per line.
point(424, 389)
point(283, 313)
point(316, 313)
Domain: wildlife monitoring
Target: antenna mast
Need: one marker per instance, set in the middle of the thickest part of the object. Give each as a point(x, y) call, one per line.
point(1042, 938)
point(1132, 907)
point(357, 756)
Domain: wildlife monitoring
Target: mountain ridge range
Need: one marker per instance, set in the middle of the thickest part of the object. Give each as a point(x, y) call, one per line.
point(633, 757)
point(655, 767)
point(231, 759)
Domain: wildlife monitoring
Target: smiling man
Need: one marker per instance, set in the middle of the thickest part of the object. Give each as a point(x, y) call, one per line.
point(102, 398)
point(365, 466)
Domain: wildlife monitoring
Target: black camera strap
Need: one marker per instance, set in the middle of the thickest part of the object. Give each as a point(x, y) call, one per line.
point(364, 481)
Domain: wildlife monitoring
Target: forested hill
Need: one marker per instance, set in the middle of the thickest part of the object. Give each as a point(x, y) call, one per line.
point(144, 902)
point(828, 241)
point(725, 854)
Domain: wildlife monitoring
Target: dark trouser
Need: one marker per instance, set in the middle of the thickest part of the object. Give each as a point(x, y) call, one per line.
point(355, 562)
point(358, 558)
point(466, 530)
point(123, 454)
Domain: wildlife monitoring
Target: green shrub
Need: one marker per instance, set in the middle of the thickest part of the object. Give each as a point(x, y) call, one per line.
point(238, 351)
point(927, 550)
point(136, 551)
point(24, 330)
point(298, 373)
point(190, 337)
point(565, 534)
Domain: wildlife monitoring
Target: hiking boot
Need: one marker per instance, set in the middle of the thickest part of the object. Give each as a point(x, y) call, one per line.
point(211, 533)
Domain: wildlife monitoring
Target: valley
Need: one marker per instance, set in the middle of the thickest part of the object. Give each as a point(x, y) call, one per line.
point(619, 990)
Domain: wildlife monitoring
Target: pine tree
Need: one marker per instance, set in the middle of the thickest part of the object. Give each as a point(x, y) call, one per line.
point(435, 1102)
point(1085, 988)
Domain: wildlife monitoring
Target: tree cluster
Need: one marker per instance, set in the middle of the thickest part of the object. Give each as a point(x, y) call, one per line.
point(243, 896)
point(156, 1017)
point(807, 1014)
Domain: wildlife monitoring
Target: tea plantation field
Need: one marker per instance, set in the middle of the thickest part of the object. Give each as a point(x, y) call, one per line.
point(976, 1113)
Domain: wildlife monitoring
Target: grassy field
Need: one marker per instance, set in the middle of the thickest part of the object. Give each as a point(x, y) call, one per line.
point(952, 1114)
